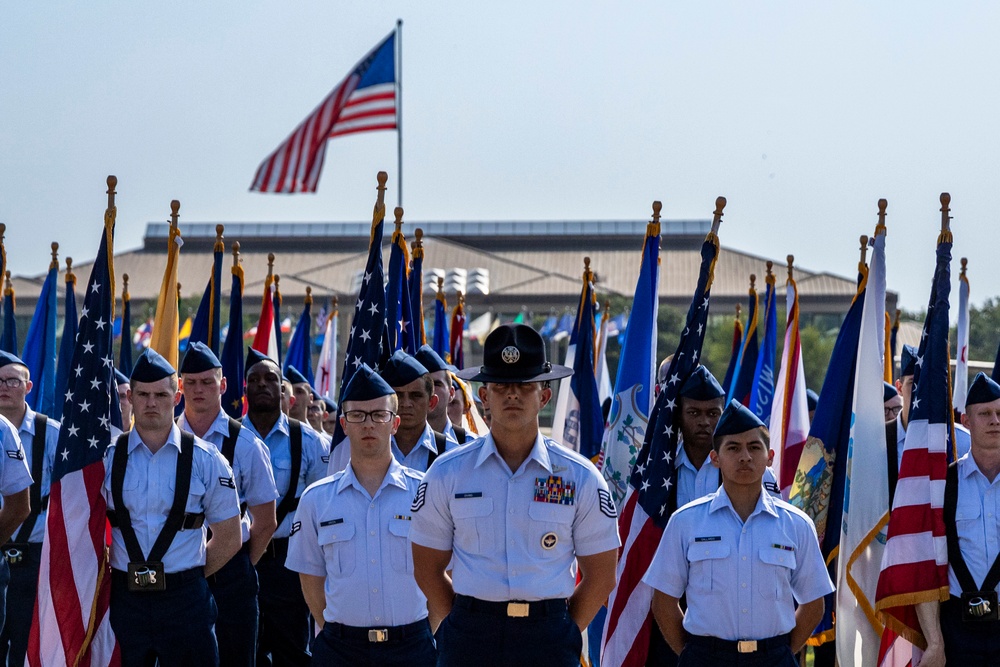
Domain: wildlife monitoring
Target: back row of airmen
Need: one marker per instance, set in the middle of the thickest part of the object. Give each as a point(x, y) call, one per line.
point(501, 554)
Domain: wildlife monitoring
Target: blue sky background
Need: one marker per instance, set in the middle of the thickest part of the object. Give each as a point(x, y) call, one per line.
point(801, 114)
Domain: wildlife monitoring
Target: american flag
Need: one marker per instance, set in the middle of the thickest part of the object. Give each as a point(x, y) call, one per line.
point(652, 494)
point(368, 341)
point(71, 624)
point(915, 561)
point(364, 101)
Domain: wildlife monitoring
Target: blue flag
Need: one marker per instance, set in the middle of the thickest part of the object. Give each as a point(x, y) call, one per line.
point(208, 319)
point(416, 287)
point(399, 311)
point(441, 343)
point(40, 353)
point(746, 364)
point(584, 426)
point(8, 342)
point(762, 391)
point(300, 347)
point(66, 346)
point(633, 392)
point(734, 357)
point(232, 349)
point(125, 346)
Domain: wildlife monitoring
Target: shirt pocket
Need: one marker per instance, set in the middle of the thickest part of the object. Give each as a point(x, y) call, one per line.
point(550, 532)
point(709, 572)
point(775, 574)
point(473, 524)
point(339, 548)
point(282, 467)
point(196, 494)
point(400, 554)
point(969, 524)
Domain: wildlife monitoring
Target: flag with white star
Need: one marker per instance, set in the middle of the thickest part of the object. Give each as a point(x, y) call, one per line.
point(397, 297)
point(652, 493)
point(74, 579)
point(368, 340)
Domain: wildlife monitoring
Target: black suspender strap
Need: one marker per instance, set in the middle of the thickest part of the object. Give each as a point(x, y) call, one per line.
point(892, 457)
point(460, 434)
point(290, 502)
point(35, 494)
point(441, 442)
point(229, 443)
point(955, 558)
point(176, 519)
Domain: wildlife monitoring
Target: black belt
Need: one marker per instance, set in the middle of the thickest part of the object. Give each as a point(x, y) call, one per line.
point(277, 548)
point(191, 520)
point(741, 646)
point(513, 608)
point(173, 578)
point(396, 633)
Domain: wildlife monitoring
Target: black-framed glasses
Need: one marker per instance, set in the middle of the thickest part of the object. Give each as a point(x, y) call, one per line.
point(12, 383)
point(377, 416)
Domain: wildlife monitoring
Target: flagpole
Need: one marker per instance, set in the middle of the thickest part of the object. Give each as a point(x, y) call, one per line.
point(399, 111)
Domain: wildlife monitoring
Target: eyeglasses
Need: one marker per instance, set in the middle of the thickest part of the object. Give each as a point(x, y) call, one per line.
point(12, 383)
point(890, 413)
point(377, 416)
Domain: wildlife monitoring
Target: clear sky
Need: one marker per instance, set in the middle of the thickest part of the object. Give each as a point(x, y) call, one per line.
point(801, 114)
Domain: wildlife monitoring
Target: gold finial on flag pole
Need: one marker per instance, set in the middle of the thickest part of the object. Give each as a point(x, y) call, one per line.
point(720, 204)
point(54, 264)
point(753, 282)
point(277, 279)
point(864, 249)
point(175, 207)
point(945, 211)
point(965, 263)
point(70, 276)
point(236, 253)
point(309, 295)
point(125, 295)
point(791, 261)
point(440, 286)
point(270, 266)
point(739, 310)
point(398, 212)
point(220, 246)
point(882, 205)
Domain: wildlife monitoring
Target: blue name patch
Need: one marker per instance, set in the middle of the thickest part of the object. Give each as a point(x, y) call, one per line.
point(331, 522)
point(469, 494)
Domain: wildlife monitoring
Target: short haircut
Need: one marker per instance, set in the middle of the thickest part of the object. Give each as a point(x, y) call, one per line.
point(393, 404)
point(765, 437)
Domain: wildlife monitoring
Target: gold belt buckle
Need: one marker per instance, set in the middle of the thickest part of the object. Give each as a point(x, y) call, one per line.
point(378, 636)
point(746, 646)
point(517, 610)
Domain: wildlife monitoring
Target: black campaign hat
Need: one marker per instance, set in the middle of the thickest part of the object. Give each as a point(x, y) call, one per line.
point(514, 353)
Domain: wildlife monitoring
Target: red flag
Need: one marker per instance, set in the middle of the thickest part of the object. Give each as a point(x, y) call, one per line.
point(457, 332)
point(265, 341)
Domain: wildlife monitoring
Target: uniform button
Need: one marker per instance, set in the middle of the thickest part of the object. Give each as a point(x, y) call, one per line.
point(378, 618)
point(375, 590)
point(511, 511)
point(373, 505)
point(512, 543)
point(372, 533)
point(744, 611)
point(744, 558)
point(743, 584)
point(373, 562)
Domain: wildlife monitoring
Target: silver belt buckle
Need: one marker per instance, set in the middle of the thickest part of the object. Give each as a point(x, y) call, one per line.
point(517, 609)
point(746, 646)
point(378, 636)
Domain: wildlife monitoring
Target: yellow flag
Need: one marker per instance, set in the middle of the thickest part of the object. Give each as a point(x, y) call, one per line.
point(164, 336)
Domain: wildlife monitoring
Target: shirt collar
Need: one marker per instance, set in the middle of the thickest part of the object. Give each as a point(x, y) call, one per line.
point(219, 425)
point(173, 439)
point(280, 426)
point(681, 458)
point(539, 452)
point(394, 476)
point(28, 423)
point(765, 503)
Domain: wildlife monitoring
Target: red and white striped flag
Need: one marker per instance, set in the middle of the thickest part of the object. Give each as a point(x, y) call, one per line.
point(915, 560)
point(790, 410)
point(363, 102)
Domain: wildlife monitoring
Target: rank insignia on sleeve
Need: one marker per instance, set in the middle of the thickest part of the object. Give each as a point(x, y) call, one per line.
point(554, 489)
point(296, 526)
point(772, 487)
point(418, 500)
point(606, 504)
point(227, 482)
point(15, 454)
point(325, 459)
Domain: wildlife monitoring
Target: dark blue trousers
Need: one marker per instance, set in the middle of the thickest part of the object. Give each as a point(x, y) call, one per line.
point(469, 638)
point(700, 655)
point(336, 648)
point(174, 626)
point(284, 614)
point(234, 588)
point(21, 593)
point(968, 644)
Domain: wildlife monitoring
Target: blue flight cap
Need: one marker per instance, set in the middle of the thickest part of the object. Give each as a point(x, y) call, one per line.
point(982, 390)
point(314, 394)
point(736, 419)
point(120, 378)
point(431, 360)
point(254, 357)
point(293, 375)
point(199, 358)
point(6, 359)
point(888, 391)
point(812, 399)
point(702, 386)
point(331, 407)
point(365, 385)
point(907, 360)
point(402, 369)
point(151, 367)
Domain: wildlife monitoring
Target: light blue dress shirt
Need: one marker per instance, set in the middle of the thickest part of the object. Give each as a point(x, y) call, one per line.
point(976, 522)
point(514, 535)
point(449, 432)
point(361, 545)
point(314, 457)
point(27, 436)
point(742, 580)
point(251, 465)
point(416, 459)
point(148, 493)
point(15, 476)
point(694, 483)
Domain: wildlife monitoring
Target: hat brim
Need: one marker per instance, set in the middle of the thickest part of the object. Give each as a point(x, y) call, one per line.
point(484, 374)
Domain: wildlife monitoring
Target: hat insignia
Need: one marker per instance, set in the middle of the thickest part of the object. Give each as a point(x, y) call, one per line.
point(510, 354)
